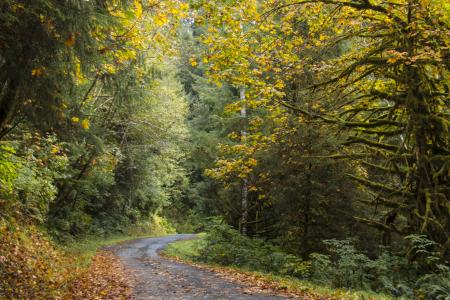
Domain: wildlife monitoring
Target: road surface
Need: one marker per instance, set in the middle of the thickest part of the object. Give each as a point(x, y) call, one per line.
point(156, 277)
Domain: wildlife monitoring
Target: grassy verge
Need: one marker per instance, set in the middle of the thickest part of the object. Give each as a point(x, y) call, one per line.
point(188, 251)
point(185, 249)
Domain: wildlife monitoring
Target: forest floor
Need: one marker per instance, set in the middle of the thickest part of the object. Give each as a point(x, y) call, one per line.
point(157, 277)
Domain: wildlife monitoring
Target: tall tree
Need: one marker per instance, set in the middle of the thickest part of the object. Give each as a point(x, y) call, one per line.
point(388, 85)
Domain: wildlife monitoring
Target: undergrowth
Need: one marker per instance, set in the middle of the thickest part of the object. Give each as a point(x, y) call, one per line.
point(342, 267)
point(189, 251)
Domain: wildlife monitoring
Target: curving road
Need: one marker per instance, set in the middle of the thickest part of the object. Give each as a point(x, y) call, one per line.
point(160, 278)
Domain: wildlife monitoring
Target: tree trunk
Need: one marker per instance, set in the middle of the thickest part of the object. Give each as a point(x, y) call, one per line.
point(244, 200)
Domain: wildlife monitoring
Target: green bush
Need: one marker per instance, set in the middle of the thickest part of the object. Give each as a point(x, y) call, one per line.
point(28, 173)
point(346, 267)
point(436, 285)
point(342, 266)
point(226, 246)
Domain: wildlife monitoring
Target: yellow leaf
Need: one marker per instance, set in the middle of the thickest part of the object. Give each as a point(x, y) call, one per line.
point(138, 8)
point(183, 6)
point(75, 119)
point(37, 72)
point(161, 19)
point(424, 3)
point(85, 124)
point(55, 149)
point(392, 60)
point(252, 188)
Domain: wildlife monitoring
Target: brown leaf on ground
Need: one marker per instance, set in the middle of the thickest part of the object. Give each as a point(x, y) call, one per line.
point(30, 266)
point(105, 279)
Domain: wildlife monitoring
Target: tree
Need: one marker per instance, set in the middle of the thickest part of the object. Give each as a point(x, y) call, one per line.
point(387, 84)
point(84, 90)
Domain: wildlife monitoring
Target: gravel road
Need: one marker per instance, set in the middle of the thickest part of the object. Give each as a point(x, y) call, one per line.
point(160, 278)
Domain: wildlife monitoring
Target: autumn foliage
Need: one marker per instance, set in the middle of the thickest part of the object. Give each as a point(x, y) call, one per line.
point(30, 265)
point(105, 279)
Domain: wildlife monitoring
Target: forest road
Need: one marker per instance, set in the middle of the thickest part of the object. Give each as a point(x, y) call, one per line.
point(156, 277)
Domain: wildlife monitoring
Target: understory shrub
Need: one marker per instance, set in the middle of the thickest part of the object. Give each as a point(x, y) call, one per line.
point(155, 225)
point(346, 267)
point(226, 246)
point(342, 266)
point(436, 285)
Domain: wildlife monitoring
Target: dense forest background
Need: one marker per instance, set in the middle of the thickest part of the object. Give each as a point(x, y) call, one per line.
point(317, 127)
